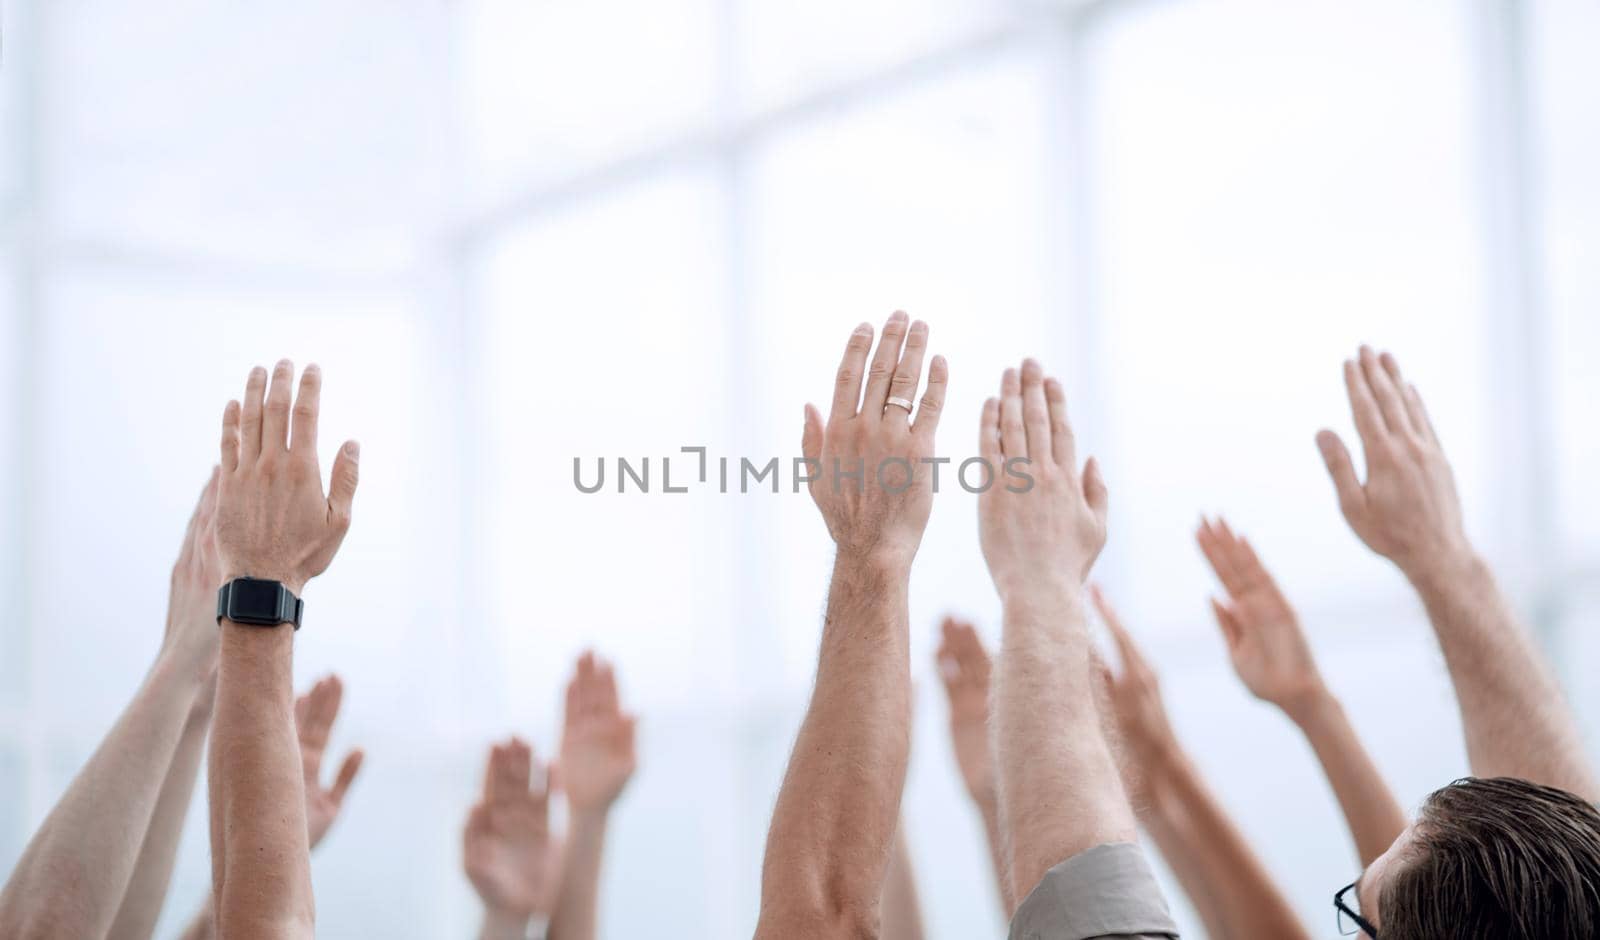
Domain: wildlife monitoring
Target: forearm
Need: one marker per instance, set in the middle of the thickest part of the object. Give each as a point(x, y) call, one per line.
point(989, 809)
point(1169, 829)
point(73, 876)
point(836, 811)
point(577, 906)
point(257, 790)
point(902, 912)
point(1370, 809)
point(152, 873)
point(1515, 718)
point(1227, 874)
point(1060, 791)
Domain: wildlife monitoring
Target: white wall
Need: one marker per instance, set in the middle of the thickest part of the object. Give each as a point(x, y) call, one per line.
point(514, 234)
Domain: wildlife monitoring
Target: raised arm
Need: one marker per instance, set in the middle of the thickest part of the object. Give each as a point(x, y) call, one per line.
point(1274, 661)
point(509, 856)
point(1516, 721)
point(836, 812)
point(77, 876)
point(1060, 794)
point(965, 669)
point(597, 760)
point(273, 523)
point(192, 607)
point(314, 714)
point(1229, 885)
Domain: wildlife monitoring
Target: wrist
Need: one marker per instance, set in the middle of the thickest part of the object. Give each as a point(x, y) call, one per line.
point(585, 820)
point(1046, 597)
point(1446, 570)
point(179, 667)
point(293, 584)
point(1310, 707)
point(880, 562)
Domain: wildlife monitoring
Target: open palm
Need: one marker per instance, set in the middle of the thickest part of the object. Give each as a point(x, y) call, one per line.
point(965, 668)
point(597, 746)
point(510, 857)
point(1265, 641)
point(314, 714)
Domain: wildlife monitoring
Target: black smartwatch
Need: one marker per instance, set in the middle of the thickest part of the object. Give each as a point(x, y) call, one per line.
point(258, 602)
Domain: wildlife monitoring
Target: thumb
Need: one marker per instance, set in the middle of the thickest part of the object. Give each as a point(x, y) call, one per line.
point(1094, 487)
point(1352, 500)
point(347, 775)
point(342, 488)
point(811, 434)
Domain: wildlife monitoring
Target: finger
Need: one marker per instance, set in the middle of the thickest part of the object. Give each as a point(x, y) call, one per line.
point(811, 434)
point(949, 671)
point(1224, 561)
point(585, 679)
point(519, 766)
point(1210, 546)
point(1248, 563)
point(347, 775)
point(1352, 498)
point(321, 706)
point(1061, 441)
point(301, 703)
point(342, 485)
point(1363, 408)
point(989, 435)
point(932, 404)
point(230, 436)
point(1419, 413)
point(306, 406)
point(847, 384)
point(1013, 436)
point(1035, 412)
point(1103, 607)
point(255, 388)
point(908, 371)
point(494, 775)
point(1094, 488)
point(606, 698)
point(1387, 394)
point(884, 360)
point(1232, 628)
point(573, 704)
point(275, 416)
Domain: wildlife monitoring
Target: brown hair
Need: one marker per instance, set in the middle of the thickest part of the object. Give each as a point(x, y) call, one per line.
point(1497, 858)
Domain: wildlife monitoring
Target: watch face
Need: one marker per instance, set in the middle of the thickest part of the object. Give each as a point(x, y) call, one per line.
point(257, 600)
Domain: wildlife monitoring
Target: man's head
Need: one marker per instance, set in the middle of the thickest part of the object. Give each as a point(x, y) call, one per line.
point(1496, 857)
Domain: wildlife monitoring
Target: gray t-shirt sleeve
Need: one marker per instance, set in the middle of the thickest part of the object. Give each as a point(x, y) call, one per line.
point(1105, 891)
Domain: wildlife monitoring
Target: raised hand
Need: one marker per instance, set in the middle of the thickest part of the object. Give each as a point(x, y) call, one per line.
point(1407, 510)
point(191, 633)
point(1135, 695)
point(314, 714)
point(509, 855)
point(1265, 641)
point(1047, 531)
point(273, 521)
point(597, 752)
point(870, 480)
point(965, 667)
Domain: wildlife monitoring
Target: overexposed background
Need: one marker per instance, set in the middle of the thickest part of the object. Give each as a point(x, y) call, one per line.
point(524, 231)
